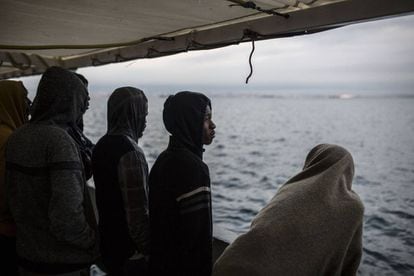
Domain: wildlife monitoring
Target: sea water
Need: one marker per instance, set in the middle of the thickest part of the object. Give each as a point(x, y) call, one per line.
point(262, 140)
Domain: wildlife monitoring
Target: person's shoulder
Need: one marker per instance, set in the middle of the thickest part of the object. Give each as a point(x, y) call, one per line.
point(101, 141)
point(182, 157)
point(114, 144)
point(115, 140)
point(13, 139)
point(185, 163)
point(5, 133)
point(56, 136)
point(44, 134)
point(56, 131)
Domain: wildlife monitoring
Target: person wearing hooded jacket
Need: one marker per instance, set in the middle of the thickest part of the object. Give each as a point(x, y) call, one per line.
point(14, 109)
point(46, 183)
point(312, 226)
point(179, 190)
point(120, 173)
point(84, 144)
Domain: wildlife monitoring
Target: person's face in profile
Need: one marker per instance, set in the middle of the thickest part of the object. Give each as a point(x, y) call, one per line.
point(144, 124)
point(87, 99)
point(208, 128)
point(86, 104)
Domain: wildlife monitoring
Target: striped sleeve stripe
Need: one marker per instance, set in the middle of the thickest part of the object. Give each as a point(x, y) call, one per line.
point(38, 171)
point(193, 192)
point(193, 200)
point(196, 207)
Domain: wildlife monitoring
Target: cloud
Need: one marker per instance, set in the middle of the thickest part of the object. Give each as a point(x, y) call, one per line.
point(373, 55)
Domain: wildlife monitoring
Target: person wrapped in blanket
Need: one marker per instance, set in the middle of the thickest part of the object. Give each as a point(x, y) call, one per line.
point(120, 172)
point(179, 190)
point(312, 226)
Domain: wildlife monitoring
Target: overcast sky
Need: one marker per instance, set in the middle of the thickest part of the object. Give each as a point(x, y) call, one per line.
point(377, 56)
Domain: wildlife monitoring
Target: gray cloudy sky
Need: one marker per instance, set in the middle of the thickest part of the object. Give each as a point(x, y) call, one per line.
point(374, 56)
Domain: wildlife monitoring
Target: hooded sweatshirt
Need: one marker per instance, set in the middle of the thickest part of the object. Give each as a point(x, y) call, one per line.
point(85, 146)
point(47, 189)
point(179, 195)
point(312, 226)
point(121, 174)
point(13, 114)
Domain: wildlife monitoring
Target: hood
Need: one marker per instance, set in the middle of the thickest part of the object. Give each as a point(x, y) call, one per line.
point(183, 117)
point(127, 111)
point(326, 154)
point(325, 179)
point(13, 104)
point(60, 98)
point(324, 157)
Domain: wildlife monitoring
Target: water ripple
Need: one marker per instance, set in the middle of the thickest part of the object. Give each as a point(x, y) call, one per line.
point(376, 222)
point(398, 213)
point(375, 254)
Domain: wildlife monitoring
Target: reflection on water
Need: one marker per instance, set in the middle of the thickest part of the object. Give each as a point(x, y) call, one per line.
point(262, 140)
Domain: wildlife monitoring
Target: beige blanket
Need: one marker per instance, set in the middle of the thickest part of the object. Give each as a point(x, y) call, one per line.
point(312, 226)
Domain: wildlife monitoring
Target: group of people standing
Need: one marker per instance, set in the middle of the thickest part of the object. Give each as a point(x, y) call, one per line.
point(158, 221)
point(47, 216)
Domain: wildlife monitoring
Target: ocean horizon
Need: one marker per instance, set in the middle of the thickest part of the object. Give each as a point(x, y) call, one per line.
point(262, 140)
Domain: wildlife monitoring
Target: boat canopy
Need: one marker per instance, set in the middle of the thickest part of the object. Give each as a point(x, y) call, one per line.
point(35, 35)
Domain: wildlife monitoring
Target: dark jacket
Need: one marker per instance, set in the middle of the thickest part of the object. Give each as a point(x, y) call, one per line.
point(179, 196)
point(120, 172)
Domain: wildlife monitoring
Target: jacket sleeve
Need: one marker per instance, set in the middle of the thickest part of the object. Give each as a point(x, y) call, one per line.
point(133, 177)
point(194, 204)
point(66, 210)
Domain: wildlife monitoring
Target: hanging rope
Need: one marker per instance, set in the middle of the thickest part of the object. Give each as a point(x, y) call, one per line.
point(250, 63)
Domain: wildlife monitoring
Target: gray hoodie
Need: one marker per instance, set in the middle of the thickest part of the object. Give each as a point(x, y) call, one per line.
point(46, 185)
